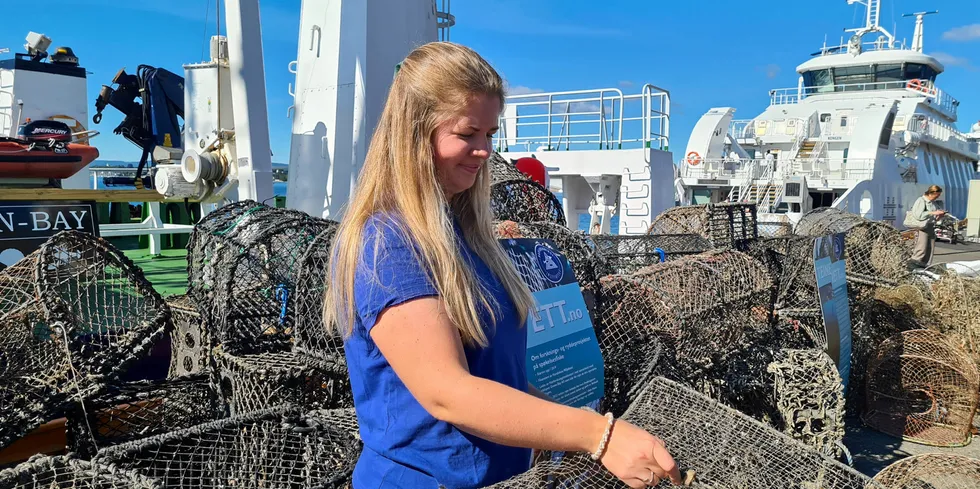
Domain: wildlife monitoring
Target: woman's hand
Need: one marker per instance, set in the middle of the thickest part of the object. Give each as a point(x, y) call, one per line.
point(638, 458)
point(938, 213)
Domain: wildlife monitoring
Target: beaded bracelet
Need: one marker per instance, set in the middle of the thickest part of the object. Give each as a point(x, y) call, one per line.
point(605, 437)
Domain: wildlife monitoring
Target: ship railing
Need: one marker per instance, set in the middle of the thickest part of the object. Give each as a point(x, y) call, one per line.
point(939, 131)
point(750, 171)
point(796, 127)
point(827, 168)
point(722, 169)
point(943, 101)
point(585, 119)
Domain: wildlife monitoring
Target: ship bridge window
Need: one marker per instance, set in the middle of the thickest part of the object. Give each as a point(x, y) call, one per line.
point(922, 72)
point(889, 73)
point(818, 81)
point(850, 75)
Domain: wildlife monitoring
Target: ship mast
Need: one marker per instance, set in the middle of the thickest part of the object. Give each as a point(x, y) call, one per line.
point(871, 25)
point(917, 36)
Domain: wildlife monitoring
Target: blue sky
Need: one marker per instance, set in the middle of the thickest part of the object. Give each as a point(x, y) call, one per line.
point(708, 53)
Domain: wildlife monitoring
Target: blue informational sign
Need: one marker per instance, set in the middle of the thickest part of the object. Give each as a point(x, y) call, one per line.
point(563, 356)
point(831, 270)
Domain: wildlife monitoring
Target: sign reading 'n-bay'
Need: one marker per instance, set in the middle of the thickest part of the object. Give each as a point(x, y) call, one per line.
point(563, 357)
point(24, 226)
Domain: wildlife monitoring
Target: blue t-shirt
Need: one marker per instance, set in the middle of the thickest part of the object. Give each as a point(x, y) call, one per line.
point(405, 446)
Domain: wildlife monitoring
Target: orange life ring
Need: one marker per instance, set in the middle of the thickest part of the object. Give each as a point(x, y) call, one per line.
point(917, 85)
point(693, 158)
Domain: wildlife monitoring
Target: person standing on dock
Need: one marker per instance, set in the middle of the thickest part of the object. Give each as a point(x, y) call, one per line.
point(432, 311)
point(922, 217)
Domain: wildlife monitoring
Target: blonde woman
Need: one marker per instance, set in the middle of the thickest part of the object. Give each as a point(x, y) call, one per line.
point(433, 312)
point(922, 217)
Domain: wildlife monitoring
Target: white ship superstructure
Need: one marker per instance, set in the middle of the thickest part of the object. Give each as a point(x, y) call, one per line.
point(866, 130)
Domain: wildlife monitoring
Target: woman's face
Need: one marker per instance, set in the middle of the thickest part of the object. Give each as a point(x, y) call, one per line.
point(461, 144)
point(934, 196)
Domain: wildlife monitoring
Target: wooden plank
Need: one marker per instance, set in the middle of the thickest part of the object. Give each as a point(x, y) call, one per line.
point(50, 438)
point(131, 195)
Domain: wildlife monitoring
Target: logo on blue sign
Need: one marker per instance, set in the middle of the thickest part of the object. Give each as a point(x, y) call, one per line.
point(550, 263)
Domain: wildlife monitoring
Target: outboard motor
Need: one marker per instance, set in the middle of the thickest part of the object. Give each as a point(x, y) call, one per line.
point(43, 131)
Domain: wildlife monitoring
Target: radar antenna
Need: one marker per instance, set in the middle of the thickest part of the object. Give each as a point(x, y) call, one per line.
point(917, 36)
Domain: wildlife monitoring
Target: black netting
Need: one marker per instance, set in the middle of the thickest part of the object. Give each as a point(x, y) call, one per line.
point(73, 314)
point(726, 225)
point(312, 336)
point(502, 170)
point(719, 446)
point(525, 200)
point(629, 253)
point(43, 472)
point(257, 381)
point(135, 410)
point(277, 447)
point(242, 273)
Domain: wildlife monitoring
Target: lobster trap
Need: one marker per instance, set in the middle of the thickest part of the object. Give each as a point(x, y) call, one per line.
point(875, 253)
point(931, 471)
point(242, 272)
point(726, 225)
point(922, 388)
point(629, 253)
point(524, 200)
point(258, 381)
point(130, 411)
point(809, 397)
point(73, 314)
point(282, 447)
point(61, 472)
point(312, 336)
point(719, 446)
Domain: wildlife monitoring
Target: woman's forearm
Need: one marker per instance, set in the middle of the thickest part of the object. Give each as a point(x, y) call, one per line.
point(507, 416)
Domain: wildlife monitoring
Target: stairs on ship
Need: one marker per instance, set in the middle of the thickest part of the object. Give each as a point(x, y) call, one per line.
point(765, 195)
point(806, 150)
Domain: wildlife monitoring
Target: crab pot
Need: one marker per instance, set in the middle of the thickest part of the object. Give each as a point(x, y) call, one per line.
point(311, 336)
point(922, 388)
point(44, 472)
point(809, 398)
point(140, 409)
point(726, 225)
point(502, 170)
point(931, 470)
point(875, 253)
point(243, 275)
point(524, 200)
point(73, 313)
point(629, 253)
point(282, 447)
point(190, 342)
point(251, 382)
point(717, 445)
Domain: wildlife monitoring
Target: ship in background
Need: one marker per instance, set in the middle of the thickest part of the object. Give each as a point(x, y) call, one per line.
point(866, 130)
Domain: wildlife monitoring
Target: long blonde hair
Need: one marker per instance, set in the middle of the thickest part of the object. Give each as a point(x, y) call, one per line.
point(435, 82)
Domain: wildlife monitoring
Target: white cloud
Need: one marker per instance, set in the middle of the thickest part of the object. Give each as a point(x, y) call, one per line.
point(772, 71)
point(522, 90)
point(964, 33)
point(626, 84)
point(950, 60)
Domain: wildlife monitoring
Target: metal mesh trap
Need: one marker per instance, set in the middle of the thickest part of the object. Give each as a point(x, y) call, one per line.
point(875, 253)
point(283, 447)
point(242, 272)
point(724, 447)
point(809, 398)
point(629, 253)
point(73, 314)
point(922, 388)
point(524, 200)
point(931, 471)
point(258, 381)
point(130, 411)
point(726, 225)
point(311, 336)
point(43, 472)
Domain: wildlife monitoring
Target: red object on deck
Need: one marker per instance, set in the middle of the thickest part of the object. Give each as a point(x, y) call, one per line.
point(19, 160)
point(533, 168)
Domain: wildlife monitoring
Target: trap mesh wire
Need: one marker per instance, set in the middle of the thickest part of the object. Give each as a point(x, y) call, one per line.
point(525, 200)
point(136, 410)
point(257, 381)
point(922, 388)
point(931, 471)
point(726, 225)
point(65, 472)
point(73, 314)
point(282, 447)
point(243, 274)
point(875, 253)
point(502, 170)
point(312, 336)
point(190, 352)
point(810, 398)
point(955, 307)
point(774, 225)
point(702, 304)
point(722, 446)
point(629, 253)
